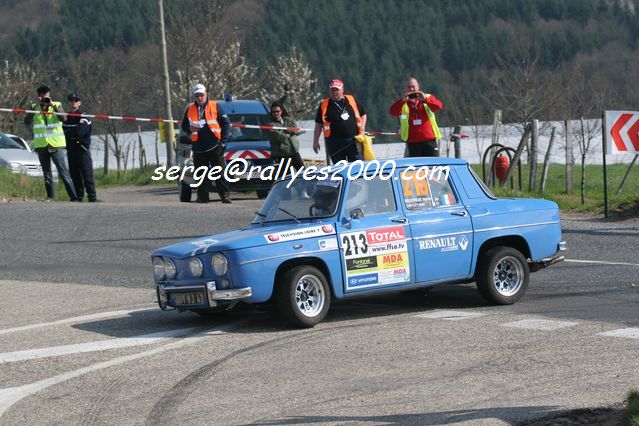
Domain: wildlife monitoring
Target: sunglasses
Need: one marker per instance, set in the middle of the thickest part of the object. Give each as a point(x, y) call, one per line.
point(276, 111)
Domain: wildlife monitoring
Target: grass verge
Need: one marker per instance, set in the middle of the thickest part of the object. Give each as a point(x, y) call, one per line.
point(13, 185)
point(632, 408)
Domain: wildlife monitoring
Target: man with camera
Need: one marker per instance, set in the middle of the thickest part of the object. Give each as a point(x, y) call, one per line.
point(418, 127)
point(49, 141)
point(77, 131)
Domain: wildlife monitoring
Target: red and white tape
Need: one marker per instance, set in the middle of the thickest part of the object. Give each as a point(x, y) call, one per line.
point(162, 120)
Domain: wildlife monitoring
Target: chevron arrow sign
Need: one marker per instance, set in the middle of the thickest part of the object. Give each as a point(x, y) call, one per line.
point(622, 132)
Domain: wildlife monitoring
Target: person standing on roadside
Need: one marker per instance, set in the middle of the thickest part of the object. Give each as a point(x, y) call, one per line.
point(340, 117)
point(77, 131)
point(49, 141)
point(418, 127)
point(284, 143)
point(209, 128)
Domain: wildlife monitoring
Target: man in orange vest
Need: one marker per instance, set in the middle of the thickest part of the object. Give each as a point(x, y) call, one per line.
point(340, 117)
point(210, 129)
point(418, 127)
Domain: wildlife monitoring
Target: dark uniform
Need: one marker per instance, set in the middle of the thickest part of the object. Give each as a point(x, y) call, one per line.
point(78, 138)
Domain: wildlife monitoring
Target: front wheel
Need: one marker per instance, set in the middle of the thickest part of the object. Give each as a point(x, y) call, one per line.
point(303, 298)
point(262, 193)
point(503, 275)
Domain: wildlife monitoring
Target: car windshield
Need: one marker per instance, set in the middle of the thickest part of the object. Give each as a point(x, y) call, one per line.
point(7, 143)
point(303, 199)
point(243, 134)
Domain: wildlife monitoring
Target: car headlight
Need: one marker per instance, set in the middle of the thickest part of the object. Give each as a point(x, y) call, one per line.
point(220, 264)
point(158, 268)
point(169, 269)
point(17, 167)
point(196, 267)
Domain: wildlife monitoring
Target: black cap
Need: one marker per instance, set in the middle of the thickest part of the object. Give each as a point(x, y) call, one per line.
point(73, 97)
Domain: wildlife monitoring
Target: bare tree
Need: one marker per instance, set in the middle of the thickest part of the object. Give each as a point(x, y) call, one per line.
point(17, 86)
point(291, 76)
point(103, 78)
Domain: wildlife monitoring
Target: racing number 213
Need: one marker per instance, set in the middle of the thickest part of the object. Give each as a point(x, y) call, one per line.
point(355, 244)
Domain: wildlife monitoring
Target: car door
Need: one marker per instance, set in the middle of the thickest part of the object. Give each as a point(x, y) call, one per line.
point(373, 237)
point(441, 227)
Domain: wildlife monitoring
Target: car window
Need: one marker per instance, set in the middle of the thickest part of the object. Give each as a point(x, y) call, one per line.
point(247, 134)
point(302, 199)
point(373, 196)
point(424, 190)
point(7, 143)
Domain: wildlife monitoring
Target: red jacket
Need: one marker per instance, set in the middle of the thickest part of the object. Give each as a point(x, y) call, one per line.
point(420, 132)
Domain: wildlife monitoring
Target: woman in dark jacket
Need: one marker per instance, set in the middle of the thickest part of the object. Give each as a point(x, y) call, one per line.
point(284, 143)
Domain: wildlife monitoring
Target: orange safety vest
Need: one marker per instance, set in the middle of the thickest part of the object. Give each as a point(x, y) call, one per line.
point(351, 101)
point(210, 115)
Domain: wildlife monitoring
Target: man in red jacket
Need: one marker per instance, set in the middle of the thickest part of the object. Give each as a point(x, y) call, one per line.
point(418, 127)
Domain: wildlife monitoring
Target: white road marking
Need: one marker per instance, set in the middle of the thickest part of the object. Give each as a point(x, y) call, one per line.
point(101, 345)
point(539, 324)
point(629, 333)
point(75, 320)
point(10, 396)
point(449, 315)
point(601, 262)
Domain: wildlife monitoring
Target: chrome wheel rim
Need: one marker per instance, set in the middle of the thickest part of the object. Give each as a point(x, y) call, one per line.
point(508, 276)
point(309, 295)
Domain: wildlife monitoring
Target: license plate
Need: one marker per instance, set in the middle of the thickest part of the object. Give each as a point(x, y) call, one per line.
point(189, 298)
point(248, 176)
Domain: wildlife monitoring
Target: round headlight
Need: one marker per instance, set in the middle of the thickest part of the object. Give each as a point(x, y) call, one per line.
point(158, 268)
point(169, 269)
point(196, 267)
point(220, 264)
point(225, 284)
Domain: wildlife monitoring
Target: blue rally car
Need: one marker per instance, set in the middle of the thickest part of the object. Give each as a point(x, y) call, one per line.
point(408, 224)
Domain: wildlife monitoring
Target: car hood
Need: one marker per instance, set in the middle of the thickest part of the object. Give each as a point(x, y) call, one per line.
point(19, 155)
point(249, 237)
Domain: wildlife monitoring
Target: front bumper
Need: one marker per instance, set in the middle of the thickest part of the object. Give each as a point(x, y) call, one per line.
point(167, 295)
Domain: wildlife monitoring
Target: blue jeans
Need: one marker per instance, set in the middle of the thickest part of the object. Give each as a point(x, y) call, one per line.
point(342, 149)
point(59, 160)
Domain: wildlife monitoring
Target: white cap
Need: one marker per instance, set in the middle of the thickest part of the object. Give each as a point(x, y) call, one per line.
point(198, 88)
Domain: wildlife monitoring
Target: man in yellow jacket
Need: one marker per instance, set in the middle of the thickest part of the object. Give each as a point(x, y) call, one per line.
point(49, 141)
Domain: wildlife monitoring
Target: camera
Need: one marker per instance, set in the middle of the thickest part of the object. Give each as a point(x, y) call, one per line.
point(46, 100)
point(413, 95)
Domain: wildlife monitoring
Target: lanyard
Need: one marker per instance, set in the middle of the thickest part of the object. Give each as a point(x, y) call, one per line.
point(339, 107)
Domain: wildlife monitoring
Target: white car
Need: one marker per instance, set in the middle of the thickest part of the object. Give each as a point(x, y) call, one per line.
point(17, 156)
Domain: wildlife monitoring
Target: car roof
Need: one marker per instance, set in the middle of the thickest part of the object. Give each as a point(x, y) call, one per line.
point(352, 169)
point(243, 107)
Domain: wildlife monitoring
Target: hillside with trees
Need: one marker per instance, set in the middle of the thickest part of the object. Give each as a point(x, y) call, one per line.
point(551, 59)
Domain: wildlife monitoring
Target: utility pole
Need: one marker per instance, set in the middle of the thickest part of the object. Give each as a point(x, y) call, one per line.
point(167, 93)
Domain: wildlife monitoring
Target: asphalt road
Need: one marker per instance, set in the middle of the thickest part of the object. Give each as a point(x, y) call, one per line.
point(82, 342)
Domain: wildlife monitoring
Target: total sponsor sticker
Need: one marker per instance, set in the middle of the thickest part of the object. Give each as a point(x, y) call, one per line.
point(380, 252)
point(298, 234)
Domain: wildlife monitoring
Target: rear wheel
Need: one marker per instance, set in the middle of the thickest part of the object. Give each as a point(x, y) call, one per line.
point(185, 192)
point(303, 297)
point(262, 193)
point(503, 275)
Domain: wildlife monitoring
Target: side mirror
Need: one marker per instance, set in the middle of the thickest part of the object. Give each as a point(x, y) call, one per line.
point(357, 213)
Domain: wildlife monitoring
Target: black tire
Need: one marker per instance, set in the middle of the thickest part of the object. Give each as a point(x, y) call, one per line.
point(185, 192)
point(262, 193)
point(502, 275)
point(303, 296)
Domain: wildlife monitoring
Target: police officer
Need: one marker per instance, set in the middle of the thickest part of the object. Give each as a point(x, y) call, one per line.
point(77, 131)
point(49, 141)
